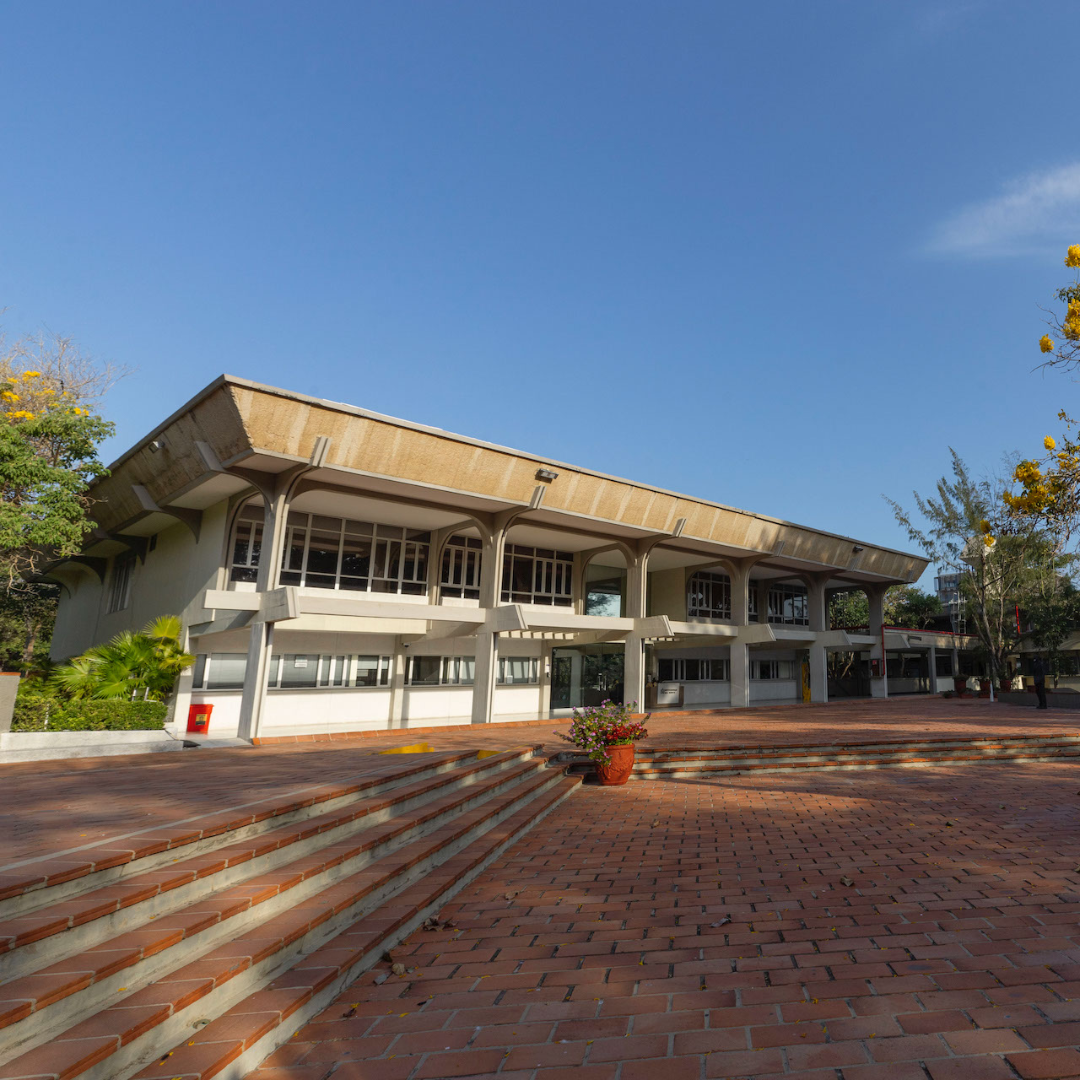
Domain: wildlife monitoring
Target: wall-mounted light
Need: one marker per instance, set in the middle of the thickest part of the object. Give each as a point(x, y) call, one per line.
point(545, 474)
point(857, 548)
point(156, 445)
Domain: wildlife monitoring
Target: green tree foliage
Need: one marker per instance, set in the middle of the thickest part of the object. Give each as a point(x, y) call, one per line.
point(904, 605)
point(26, 622)
point(965, 531)
point(49, 436)
point(144, 665)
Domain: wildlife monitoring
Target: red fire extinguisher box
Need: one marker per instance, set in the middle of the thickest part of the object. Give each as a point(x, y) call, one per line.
point(198, 718)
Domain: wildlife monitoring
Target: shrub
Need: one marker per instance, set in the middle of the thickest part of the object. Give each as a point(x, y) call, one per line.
point(39, 712)
point(110, 716)
point(32, 711)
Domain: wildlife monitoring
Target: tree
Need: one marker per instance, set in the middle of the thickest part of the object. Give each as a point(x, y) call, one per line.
point(1053, 613)
point(1048, 496)
point(26, 621)
point(967, 531)
point(904, 605)
point(129, 666)
point(49, 435)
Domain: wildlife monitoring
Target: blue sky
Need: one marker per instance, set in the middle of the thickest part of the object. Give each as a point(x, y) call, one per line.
point(781, 255)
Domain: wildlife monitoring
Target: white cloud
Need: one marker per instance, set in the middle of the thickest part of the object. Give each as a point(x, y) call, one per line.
point(1036, 212)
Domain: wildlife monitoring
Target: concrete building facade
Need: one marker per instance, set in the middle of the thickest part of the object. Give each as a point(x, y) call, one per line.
point(336, 570)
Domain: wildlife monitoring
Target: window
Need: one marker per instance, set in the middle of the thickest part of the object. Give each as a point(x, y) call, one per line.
point(944, 663)
point(425, 670)
point(442, 670)
point(708, 596)
point(518, 671)
point(694, 670)
point(220, 671)
point(247, 544)
point(335, 553)
point(751, 603)
point(370, 671)
point(120, 589)
point(461, 568)
point(293, 671)
point(772, 669)
point(789, 605)
point(537, 576)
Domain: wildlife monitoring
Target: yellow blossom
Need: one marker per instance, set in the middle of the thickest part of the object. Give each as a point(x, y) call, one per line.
point(9, 395)
point(1046, 343)
point(31, 374)
point(1072, 256)
point(1049, 443)
point(988, 541)
point(21, 414)
point(984, 526)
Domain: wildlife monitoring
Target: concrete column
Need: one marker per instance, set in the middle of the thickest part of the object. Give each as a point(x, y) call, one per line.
point(545, 680)
point(398, 670)
point(634, 648)
point(819, 673)
point(933, 670)
point(260, 650)
point(634, 671)
point(487, 662)
point(875, 597)
point(819, 660)
point(9, 689)
point(275, 516)
point(740, 675)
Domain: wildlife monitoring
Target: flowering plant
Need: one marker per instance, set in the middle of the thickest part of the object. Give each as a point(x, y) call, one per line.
point(596, 727)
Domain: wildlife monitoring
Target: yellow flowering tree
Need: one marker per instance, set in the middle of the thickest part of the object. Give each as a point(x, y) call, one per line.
point(49, 435)
point(1061, 345)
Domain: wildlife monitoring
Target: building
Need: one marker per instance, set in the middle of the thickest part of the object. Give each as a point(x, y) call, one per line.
point(336, 569)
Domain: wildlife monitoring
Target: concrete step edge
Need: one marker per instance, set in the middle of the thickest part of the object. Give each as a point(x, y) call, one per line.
point(60, 1012)
point(17, 956)
point(109, 861)
point(148, 1046)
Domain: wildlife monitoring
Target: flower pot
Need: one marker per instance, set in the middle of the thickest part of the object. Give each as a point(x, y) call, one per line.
point(960, 683)
point(618, 769)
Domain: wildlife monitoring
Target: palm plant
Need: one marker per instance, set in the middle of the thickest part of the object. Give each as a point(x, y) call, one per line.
point(131, 665)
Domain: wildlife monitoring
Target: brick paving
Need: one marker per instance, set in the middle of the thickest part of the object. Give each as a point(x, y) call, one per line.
point(600, 947)
point(56, 806)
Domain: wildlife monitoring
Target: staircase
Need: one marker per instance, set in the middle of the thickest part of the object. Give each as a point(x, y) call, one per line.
point(198, 954)
point(742, 761)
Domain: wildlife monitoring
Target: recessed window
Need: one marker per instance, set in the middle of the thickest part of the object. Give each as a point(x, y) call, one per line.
point(708, 596)
point(518, 671)
point(442, 670)
point(789, 605)
point(292, 671)
point(772, 669)
point(694, 670)
point(537, 576)
point(336, 553)
point(120, 586)
point(460, 574)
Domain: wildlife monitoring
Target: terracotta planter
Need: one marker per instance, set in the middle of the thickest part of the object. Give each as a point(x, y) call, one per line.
point(960, 684)
point(618, 770)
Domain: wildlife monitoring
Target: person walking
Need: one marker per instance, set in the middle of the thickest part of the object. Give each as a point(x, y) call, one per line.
point(1038, 671)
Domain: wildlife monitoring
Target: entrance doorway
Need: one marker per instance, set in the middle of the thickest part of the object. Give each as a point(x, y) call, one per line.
point(586, 675)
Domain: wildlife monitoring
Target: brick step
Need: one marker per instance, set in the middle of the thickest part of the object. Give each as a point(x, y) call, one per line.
point(693, 761)
point(652, 772)
point(37, 1005)
point(73, 925)
point(885, 747)
point(33, 883)
point(224, 1012)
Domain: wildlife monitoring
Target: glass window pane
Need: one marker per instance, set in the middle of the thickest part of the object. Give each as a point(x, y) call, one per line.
point(424, 670)
point(299, 670)
point(366, 671)
point(226, 671)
